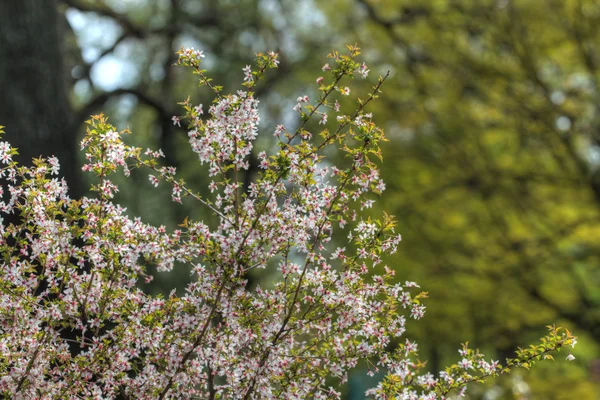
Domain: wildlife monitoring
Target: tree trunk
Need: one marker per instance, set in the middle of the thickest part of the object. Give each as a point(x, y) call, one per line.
point(34, 105)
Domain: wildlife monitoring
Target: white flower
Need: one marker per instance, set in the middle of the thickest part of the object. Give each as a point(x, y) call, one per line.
point(465, 364)
point(363, 71)
point(247, 73)
point(323, 120)
point(53, 161)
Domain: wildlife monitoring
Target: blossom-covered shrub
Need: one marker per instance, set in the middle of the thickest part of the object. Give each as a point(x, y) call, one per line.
point(74, 323)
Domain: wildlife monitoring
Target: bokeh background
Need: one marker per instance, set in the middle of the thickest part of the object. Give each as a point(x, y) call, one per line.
point(493, 163)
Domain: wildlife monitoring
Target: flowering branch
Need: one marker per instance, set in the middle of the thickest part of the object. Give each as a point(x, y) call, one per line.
point(74, 265)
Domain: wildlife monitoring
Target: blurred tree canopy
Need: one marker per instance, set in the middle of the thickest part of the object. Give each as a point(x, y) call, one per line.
point(495, 126)
point(493, 164)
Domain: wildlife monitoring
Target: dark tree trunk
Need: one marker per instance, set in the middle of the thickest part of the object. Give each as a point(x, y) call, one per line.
point(34, 106)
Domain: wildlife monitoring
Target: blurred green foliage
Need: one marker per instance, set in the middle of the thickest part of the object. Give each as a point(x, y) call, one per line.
point(493, 164)
point(492, 172)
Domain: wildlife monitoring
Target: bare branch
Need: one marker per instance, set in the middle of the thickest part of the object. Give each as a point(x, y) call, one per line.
point(102, 98)
point(103, 10)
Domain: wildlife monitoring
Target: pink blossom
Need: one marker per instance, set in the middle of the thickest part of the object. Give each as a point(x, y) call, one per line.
point(327, 309)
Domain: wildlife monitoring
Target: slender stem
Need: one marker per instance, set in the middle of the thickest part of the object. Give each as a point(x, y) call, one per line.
point(300, 283)
point(323, 144)
point(196, 343)
point(212, 393)
point(30, 364)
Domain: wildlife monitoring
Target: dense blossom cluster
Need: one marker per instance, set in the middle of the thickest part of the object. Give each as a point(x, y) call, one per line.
point(74, 323)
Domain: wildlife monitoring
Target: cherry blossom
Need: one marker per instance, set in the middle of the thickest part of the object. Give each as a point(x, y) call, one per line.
point(75, 323)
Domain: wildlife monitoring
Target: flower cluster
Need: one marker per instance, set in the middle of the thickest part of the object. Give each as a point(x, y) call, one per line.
point(405, 382)
point(74, 323)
